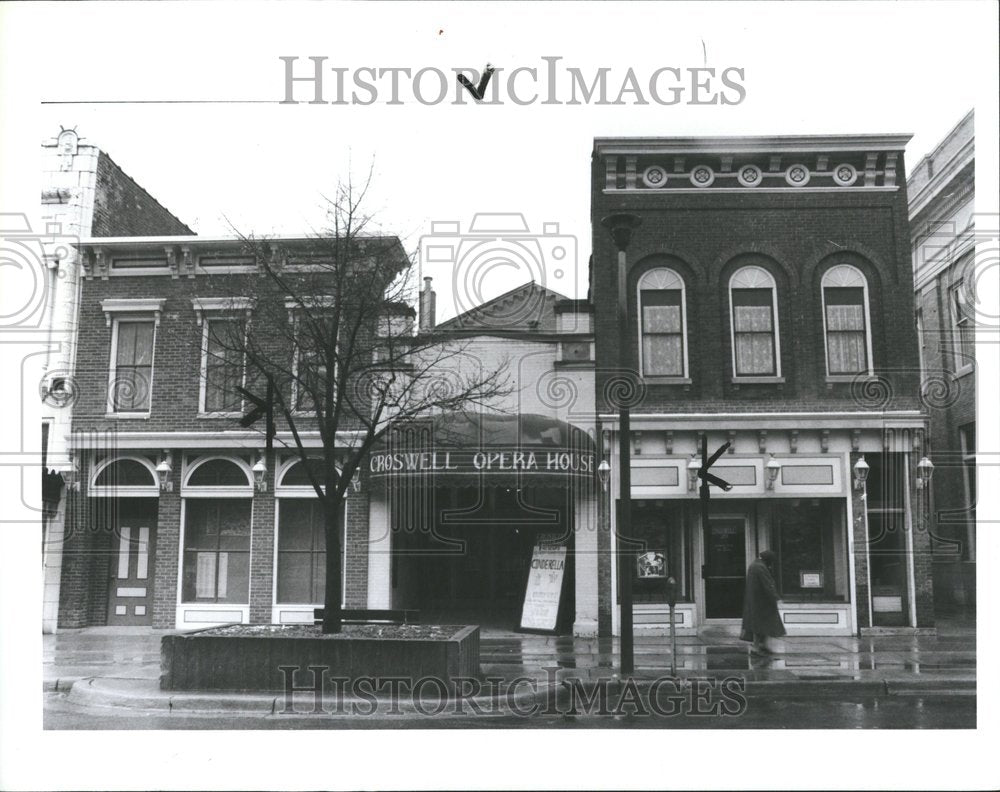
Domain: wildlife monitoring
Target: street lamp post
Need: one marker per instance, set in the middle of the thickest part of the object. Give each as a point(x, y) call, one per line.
point(621, 227)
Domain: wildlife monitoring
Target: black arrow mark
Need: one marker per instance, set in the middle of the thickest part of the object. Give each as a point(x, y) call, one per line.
point(262, 408)
point(480, 91)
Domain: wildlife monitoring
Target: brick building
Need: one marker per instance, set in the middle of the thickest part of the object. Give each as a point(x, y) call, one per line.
point(84, 194)
point(180, 520)
point(769, 293)
point(943, 231)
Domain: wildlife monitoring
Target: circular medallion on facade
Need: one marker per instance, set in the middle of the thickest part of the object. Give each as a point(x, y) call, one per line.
point(845, 175)
point(654, 176)
point(797, 175)
point(749, 175)
point(702, 176)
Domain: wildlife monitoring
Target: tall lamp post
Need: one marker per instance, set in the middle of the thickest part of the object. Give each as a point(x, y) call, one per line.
point(621, 227)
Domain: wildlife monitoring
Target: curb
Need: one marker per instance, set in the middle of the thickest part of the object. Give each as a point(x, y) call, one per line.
point(142, 694)
point(146, 695)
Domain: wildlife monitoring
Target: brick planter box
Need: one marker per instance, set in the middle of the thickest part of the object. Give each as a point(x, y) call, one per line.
point(226, 659)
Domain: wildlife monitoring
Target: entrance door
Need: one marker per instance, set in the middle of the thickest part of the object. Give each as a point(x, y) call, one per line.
point(133, 545)
point(725, 567)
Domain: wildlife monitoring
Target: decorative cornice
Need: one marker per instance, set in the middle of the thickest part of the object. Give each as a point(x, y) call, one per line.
point(750, 145)
point(789, 164)
point(204, 305)
point(151, 306)
point(154, 441)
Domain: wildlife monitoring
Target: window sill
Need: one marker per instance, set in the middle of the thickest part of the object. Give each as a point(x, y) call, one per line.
point(219, 415)
point(802, 599)
point(757, 380)
point(833, 379)
point(653, 380)
point(127, 416)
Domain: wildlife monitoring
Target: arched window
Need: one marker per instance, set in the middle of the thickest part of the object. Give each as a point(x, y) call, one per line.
point(125, 473)
point(218, 473)
point(131, 476)
point(846, 324)
point(297, 475)
point(753, 300)
point(663, 324)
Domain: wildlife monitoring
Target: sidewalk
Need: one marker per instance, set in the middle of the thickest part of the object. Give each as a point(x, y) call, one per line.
point(121, 667)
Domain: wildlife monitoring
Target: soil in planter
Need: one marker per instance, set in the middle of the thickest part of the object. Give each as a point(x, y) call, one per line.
point(417, 631)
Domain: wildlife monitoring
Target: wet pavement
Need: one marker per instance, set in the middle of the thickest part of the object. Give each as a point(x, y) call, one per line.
point(869, 712)
point(894, 680)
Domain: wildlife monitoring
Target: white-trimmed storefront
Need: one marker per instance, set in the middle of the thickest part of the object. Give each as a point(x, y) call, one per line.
point(794, 492)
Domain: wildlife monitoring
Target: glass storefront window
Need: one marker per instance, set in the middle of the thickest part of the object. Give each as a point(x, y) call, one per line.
point(659, 525)
point(810, 539)
point(301, 551)
point(217, 550)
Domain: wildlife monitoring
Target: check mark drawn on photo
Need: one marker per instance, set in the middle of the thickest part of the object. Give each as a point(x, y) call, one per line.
point(478, 91)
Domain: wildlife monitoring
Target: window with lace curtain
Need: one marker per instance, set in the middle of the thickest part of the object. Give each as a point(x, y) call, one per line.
point(754, 318)
point(663, 324)
point(845, 321)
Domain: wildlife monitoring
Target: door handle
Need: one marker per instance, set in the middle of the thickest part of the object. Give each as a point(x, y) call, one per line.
point(702, 571)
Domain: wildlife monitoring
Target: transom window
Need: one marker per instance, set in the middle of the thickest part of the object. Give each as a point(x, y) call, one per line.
point(297, 474)
point(125, 473)
point(753, 301)
point(663, 330)
point(845, 320)
point(218, 473)
point(132, 369)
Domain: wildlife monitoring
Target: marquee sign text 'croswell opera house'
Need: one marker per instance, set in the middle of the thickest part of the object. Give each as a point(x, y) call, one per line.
point(486, 445)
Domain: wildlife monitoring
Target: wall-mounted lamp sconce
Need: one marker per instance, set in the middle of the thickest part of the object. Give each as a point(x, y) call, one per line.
point(925, 470)
point(604, 473)
point(861, 469)
point(70, 472)
point(163, 471)
point(356, 480)
point(693, 467)
point(259, 471)
point(773, 468)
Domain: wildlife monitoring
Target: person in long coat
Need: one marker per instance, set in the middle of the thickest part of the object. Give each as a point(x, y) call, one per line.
point(761, 619)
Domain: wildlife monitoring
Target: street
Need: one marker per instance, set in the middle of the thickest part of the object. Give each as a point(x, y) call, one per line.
point(938, 711)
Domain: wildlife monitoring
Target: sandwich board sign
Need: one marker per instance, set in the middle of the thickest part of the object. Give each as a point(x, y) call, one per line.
point(543, 591)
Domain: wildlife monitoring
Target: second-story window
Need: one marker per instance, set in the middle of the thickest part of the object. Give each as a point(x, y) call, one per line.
point(845, 320)
point(663, 324)
point(963, 337)
point(313, 334)
point(222, 365)
point(132, 375)
point(753, 299)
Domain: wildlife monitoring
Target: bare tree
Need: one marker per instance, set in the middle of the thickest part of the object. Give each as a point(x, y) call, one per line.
point(328, 338)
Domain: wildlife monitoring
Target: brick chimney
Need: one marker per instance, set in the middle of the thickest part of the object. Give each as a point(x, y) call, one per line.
point(427, 301)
